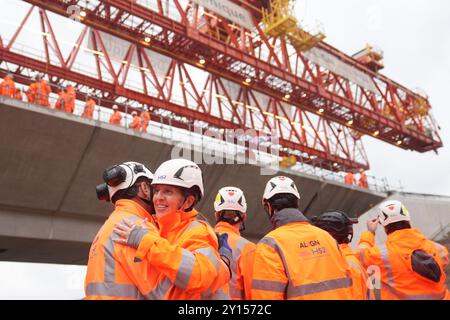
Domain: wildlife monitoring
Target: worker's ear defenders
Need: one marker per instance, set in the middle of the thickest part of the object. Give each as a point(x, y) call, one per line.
point(114, 175)
point(102, 192)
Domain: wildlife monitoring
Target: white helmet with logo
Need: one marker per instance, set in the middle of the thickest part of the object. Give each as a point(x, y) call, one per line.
point(124, 176)
point(279, 185)
point(181, 173)
point(230, 198)
point(392, 211)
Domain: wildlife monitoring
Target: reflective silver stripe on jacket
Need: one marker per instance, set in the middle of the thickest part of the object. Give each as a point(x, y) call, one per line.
point(269, 285)
point(116, 290)
point(236, 293)
point(236, 252)
point(210, 254)
point(160, 291)
point(109, 287)
point(220, 294)
point(318, 287)
point(441, 252)
point(185, 269)
point(389, 284)
point(357, 266)
point(353, 264)
point(187, 264)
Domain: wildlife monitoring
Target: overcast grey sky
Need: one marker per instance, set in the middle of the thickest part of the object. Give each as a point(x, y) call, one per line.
point(416, 43)
point(415, 39)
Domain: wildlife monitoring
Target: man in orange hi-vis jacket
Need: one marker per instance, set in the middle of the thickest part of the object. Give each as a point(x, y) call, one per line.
point(340, 226)
point(363, 180)
point(89, 108)
point(183, 258)
point(66, 100)
point(8, 88)
point(296, 261)
point(111, 271)
point(136, 123)
point(349, 178)
point(145, 118)
point(411, 266)
point(116, 117)
point(231, 212)
point(38, 92)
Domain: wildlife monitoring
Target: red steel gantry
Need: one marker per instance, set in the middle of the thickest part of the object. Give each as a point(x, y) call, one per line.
point(254, 81)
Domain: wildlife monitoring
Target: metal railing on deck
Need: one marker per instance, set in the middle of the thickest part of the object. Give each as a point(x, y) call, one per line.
point(181, 130)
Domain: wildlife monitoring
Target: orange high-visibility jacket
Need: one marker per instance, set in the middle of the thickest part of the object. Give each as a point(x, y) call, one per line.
point(361, 290)
point(89, 109)
point(183, 261)
point(40, 93)
point(298, 261)
point(242, 265)
point(8, 88)
point(116, 117)
point(145, 116)
point(363, 181)
point(69, 100)
point(60, 102)
point(111, 271)
point(398, 279)
point(349, 179)
point(136, 123)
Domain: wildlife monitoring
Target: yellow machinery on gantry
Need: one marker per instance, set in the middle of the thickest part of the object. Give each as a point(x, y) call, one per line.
point(279, 21)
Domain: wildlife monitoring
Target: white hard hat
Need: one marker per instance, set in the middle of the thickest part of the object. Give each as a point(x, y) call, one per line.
point(127, 173)
point(181, 173)
point(279, 185)
point(392, 211)
point(133, 113)
point(230, 198)
point(115, 107)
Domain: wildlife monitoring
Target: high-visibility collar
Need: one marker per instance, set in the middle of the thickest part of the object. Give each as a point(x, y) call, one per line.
point(174, 219)
point(346, 250)
point(286, 216)
point(225, 227)
point(405, 235)
point(132, 207)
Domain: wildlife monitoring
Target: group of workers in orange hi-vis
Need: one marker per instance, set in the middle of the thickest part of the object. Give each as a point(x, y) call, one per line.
point(8, 88)
point(362, 182)
point(139, 122)
point(38, 92)
point(155, 245)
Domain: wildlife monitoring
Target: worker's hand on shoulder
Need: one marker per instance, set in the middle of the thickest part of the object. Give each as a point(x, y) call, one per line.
point(372, 225)
point(132, 234)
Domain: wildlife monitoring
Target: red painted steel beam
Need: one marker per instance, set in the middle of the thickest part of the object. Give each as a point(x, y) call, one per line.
point(325, 159)
point(307, 92)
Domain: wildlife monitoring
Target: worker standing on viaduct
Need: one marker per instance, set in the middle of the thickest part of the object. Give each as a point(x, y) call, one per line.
point(231, 213)
point(136, 123)
point(111, 271)
point(116, 116)
point(145, 118)
point(38, 92)
point(362, 183)
point(8, 88)
point(66, 100)
point(340, 226)
point(183, 261)
point(411, 266)
point(296, 261)
point(349, 178)
point(89, 108)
